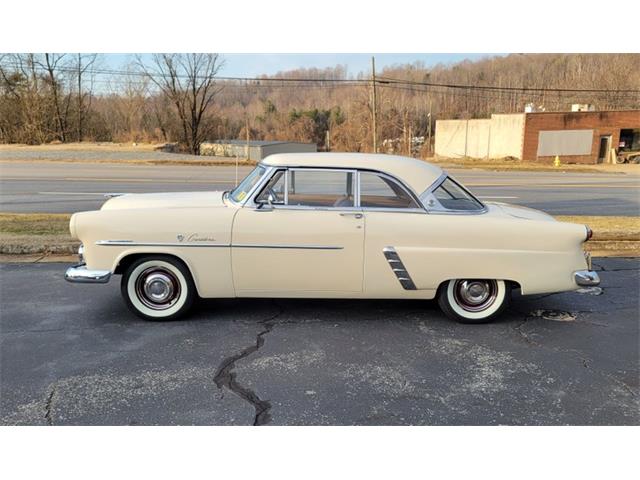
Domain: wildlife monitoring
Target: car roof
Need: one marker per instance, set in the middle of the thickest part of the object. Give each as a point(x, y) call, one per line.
point(417, 174)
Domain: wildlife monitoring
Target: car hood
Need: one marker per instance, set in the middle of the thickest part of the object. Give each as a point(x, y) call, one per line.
point(165, 200)
point(515, 211)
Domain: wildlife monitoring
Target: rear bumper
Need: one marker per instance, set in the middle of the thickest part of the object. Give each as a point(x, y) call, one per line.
point(586, 278)
point(80, 274)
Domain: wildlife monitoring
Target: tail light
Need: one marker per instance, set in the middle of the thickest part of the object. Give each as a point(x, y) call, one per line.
point(589, 234)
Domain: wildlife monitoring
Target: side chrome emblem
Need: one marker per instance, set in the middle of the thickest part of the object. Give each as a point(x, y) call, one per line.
point(180, 237)
point(393, 259)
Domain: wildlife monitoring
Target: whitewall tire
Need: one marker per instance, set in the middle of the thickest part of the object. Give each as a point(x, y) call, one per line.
point(474, 300)
point(158, 288)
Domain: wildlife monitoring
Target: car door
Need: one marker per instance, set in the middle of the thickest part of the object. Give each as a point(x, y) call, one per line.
point(395, 225)
point(308, 240)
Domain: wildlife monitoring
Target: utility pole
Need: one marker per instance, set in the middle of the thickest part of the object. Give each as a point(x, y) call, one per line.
point(79, 130)
point(374, 108)
point(246, 128)
point(430, 104)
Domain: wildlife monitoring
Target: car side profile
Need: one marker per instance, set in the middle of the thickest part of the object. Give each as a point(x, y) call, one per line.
point(329, 225)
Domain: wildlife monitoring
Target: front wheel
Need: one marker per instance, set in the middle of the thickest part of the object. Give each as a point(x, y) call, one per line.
point(474, 301)
point(158, 288)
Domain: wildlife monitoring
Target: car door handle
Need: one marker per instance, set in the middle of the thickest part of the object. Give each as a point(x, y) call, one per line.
point(351, 214)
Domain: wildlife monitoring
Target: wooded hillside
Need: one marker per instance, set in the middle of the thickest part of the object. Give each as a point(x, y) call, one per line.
point(185, 98)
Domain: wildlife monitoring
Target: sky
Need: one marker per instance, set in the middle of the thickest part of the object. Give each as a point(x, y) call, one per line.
point(254, 64)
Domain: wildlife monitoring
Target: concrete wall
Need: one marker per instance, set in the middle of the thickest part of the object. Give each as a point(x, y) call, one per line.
point(497, 137)
point(507, 135)
point(451, 138)
point(288, 148)
point(256, 152)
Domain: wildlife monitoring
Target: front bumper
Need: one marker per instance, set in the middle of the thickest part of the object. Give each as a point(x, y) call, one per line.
point(80, 274)
point(586, 278)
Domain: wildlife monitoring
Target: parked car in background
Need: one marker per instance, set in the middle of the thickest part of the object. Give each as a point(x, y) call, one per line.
point(329, 225)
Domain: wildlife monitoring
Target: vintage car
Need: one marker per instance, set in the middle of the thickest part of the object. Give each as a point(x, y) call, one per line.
point(329, 225)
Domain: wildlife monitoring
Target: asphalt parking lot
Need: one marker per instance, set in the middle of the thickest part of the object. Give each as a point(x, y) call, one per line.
point(73, 355)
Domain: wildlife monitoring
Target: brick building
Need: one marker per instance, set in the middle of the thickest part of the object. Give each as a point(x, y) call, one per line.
point(576, 137)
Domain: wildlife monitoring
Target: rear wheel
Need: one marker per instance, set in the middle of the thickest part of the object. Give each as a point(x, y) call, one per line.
point(158, 288)
point(473, 300)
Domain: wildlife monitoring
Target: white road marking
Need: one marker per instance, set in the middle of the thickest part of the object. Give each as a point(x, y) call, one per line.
point(72, 193)
point(490, 196)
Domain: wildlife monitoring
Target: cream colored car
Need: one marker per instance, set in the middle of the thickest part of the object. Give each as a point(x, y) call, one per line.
point(329, 225)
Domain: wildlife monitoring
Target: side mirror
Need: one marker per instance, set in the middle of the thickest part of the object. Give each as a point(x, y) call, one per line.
point(269, 204)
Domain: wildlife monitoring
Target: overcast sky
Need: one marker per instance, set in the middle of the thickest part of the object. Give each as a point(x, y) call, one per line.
point(251, 65)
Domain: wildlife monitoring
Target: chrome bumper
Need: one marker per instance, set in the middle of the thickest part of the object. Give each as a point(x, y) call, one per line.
point(586, 278)
point(80, 274)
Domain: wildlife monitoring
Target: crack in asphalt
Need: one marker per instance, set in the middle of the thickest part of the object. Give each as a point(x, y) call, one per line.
point(49, 405)
point(226, 378)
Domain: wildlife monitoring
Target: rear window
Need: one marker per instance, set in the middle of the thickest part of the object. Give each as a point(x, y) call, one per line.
point(449, 196)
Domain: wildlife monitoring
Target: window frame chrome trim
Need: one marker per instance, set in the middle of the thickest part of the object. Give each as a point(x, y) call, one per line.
point(266, 176)
point(421, 208)
point(273, 169)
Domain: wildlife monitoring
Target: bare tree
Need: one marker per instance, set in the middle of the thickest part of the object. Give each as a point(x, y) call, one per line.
point(52, 65)
point(188, 79)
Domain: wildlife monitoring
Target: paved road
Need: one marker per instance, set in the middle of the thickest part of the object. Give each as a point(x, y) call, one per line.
point(72, 354)
point(68, 187)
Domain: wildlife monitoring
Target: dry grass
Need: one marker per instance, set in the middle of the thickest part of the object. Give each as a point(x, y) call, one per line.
point(48, 234)
point(35, 233)
point(509, 164)
point(612, 236)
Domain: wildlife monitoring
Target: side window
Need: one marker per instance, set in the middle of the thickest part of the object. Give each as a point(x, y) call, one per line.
point(377, 191)
point(274, 187)
point(450, 196)
point(321, 188)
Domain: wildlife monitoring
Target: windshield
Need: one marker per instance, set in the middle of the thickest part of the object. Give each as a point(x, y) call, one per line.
point(449, 196)
point(241, 191)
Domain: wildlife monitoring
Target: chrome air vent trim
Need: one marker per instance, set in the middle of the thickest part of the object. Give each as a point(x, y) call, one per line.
point(398, 268)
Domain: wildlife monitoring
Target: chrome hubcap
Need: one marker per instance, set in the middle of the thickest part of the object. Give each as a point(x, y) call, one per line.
point(157, 288)
point(475, 295)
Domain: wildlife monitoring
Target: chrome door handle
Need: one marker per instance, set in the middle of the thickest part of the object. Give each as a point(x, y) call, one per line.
point(351, 214)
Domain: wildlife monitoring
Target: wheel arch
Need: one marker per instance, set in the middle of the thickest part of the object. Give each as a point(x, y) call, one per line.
point(514, 284)
point(127, 258)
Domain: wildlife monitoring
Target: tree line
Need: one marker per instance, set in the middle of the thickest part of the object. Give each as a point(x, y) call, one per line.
point(182, 98)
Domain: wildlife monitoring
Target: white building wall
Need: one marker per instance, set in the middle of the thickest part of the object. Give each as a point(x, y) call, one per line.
point(496, 137)
point(507, 135)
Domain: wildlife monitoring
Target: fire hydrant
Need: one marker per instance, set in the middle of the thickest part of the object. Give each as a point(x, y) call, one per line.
point(556, 162)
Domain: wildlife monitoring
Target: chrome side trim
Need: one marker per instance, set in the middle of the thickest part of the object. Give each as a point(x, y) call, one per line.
point(80, 274)
point(131, 243)
point(398, 268)
point(112, 195)
point(296, 247)
point(586, 278)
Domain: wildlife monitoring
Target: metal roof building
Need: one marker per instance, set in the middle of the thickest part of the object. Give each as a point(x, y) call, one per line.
point(257, 149)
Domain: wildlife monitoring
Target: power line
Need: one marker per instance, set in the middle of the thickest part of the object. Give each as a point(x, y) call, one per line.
point(501, 88)
point(380, 80)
